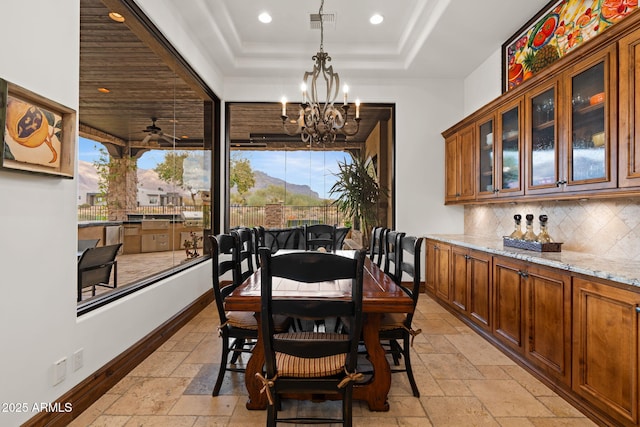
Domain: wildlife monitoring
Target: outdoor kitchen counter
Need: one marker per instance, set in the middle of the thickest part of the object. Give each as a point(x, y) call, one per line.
point(624, 271)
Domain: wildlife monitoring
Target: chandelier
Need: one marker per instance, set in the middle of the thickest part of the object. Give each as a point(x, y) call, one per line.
point(320, 121)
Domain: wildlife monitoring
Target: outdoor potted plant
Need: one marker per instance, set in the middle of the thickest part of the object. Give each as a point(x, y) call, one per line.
point(358, 193)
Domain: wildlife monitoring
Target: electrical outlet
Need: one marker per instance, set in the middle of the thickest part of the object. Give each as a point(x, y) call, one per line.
point(78, 359)
point(59, 371)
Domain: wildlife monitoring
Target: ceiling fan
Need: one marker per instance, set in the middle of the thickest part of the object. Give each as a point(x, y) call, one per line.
point(155, 132)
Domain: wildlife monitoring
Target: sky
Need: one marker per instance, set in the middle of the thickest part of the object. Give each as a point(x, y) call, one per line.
point(312, 168)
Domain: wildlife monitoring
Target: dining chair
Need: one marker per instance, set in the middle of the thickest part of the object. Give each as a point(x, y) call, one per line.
point(397, 326)
point(243, 254)
point(310, 363)
point(341, 235)
point(95, 266)
point(376, 245)
point(258, 241)
point(240, 326)
point(318, 236)
point(392, 256)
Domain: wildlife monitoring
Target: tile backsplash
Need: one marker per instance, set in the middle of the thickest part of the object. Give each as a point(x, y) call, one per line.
point(609, 227)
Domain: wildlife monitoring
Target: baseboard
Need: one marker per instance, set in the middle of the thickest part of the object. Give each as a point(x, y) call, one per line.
point(92, 388)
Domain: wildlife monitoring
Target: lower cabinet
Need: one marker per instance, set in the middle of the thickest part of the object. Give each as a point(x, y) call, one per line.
point(471, 284)
point(581, 334)
point(605, 348)
point(438, 268)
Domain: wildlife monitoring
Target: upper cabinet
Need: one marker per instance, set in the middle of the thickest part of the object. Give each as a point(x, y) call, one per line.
point(571, 131)
point(500, 153)
point(629, 110)
point(460, 166)
point(590, 101)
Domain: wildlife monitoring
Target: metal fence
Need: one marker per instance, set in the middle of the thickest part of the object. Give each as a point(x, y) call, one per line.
point(248, 216)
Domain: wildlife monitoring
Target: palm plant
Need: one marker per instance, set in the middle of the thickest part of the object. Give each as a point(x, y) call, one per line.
point(358, 192)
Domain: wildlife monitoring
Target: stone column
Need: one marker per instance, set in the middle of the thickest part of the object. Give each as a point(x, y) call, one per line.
point(274, 215)
point(123, 187)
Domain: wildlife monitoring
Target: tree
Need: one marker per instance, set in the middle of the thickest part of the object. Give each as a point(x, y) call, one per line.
point(241, 175)
point(171, 169)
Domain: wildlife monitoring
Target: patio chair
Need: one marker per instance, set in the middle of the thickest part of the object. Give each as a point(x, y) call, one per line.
point(84, 244)
point(310, 363)
point(95, 266)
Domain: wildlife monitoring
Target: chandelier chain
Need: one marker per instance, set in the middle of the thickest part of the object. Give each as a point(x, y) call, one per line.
point(320, 121)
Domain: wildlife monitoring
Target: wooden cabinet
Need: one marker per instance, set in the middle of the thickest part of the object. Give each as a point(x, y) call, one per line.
point(548, 321)
point(460, 165)
point(629, 110)
point(471, 284)
point(508, 306)
point(571, 131)
point(581, 335)
point(589, 123)
point(438, 267)
point(532, 311)
point(606, 349)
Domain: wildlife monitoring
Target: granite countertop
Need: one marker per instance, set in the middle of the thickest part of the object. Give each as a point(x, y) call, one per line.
point(619, 270)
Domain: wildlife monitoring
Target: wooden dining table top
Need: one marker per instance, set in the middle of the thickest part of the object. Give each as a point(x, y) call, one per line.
point(380, 294)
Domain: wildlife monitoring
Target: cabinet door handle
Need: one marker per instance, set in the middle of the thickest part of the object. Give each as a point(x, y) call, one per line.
point(561, 182)
point(523, 274)
point(637, 309)
point(497, 190)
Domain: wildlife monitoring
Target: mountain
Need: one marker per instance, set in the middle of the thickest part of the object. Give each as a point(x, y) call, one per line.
point(263, 181)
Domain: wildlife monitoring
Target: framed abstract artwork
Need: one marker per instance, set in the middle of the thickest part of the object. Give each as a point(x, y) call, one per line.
point(39, 135)
point(560, 27)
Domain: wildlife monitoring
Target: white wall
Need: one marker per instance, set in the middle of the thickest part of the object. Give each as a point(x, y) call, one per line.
point(38, 244)
point(483, 84)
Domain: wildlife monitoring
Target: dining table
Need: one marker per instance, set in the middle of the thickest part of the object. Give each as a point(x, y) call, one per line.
point(380, 295)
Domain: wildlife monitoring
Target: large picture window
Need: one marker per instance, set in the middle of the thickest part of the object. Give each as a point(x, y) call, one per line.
point(146, 125)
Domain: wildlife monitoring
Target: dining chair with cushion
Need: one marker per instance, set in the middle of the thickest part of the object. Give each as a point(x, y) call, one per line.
point(376, 245)
point(258, 241)
point(311, 363)
point(240, 326)
point(243, 254)
point(95, 266)
point(396, 327)
point(392, 256)
point(341, 235)
point(319, 236)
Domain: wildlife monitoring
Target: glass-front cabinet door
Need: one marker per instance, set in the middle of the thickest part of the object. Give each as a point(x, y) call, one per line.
point(508, 161)
point(589, 153)
point(485, 157)
point(543, 149)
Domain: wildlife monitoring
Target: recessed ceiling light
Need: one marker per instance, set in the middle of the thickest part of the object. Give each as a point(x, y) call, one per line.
point(116, 16)
point(376, 19)
point(264, 17)
point(103, 90)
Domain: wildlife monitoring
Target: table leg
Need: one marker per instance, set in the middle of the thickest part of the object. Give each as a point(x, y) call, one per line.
point(257, 400)
point(376, 390)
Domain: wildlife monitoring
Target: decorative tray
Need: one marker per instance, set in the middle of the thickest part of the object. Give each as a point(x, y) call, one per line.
point(531, 246)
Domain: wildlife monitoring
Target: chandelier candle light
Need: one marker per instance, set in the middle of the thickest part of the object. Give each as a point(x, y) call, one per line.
point(321, 121)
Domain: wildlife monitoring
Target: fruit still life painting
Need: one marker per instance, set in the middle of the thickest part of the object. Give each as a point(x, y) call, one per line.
point(560, 29)
point(32, 134)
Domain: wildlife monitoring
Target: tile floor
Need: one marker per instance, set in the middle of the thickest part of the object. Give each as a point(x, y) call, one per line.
point(464, 381)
